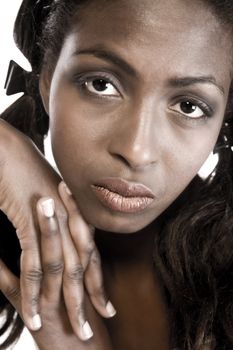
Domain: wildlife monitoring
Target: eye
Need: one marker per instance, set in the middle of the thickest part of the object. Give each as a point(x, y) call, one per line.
point(100, 86)
point(190, 109)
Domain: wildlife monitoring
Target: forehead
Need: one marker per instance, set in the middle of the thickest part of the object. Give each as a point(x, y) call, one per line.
point(181, 33)
point(133, 18)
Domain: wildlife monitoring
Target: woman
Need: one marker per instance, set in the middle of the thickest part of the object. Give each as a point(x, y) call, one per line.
point(138, 95)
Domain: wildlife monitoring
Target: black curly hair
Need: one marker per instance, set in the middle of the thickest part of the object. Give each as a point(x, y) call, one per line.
point(193, 254)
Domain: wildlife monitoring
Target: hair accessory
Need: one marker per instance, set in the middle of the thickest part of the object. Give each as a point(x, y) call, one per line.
point(45, 4)
point(16, 79)
point(225, 139)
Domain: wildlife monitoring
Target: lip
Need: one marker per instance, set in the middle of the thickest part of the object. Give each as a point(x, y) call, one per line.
point(123, 196)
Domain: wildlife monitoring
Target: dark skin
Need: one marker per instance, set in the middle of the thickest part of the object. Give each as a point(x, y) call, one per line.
point(131, 281)
point(135, 129)
point(141, 128)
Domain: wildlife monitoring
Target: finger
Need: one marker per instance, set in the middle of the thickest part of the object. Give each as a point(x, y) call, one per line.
point(30, 278)
point(81, 232)
point(73, 289)
point(82, 235)
point(51, 250)
point(94, 284)
point(10, 286)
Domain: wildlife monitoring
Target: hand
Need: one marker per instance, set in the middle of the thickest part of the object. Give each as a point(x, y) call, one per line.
point(25, 176)
point(56, 332)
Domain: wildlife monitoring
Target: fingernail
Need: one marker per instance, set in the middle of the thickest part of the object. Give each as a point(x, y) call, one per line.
point(48, 207)
point(67, 189)
point(36, 323)
point(87, 331)
point(110, 309)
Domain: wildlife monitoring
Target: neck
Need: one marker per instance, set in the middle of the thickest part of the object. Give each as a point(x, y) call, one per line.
point(127, 248)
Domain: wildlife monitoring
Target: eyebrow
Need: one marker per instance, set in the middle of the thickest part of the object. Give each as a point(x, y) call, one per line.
point(113, 58)
point(187, 81)
point(109, 56)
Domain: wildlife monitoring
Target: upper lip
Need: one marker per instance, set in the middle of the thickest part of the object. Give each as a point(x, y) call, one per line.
point(125, 188)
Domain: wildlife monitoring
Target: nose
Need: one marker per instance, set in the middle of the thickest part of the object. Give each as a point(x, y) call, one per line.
point(134, 138)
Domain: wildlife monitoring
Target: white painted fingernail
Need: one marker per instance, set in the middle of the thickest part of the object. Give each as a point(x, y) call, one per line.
point(87, 331)
point(110, 309)
point(67, 189)
point(48, 207)
point(36, 322)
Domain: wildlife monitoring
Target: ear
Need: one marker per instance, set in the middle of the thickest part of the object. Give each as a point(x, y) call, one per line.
point(44, 87)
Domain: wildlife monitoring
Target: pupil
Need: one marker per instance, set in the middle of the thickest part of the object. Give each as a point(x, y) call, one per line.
point(187, 107)
point(100, 84)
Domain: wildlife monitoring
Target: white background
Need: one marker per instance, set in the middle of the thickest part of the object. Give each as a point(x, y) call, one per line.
point(8, 51)
point(8, 11)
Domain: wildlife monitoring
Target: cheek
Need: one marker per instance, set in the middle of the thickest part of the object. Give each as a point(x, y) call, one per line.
point(182, 160)
point(75, 148)
point(70, 151)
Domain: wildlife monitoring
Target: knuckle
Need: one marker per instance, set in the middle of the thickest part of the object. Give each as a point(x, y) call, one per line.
point(34, 301)
point(79, 309)
point(75, 274)
point(91, 229)
point(95, 260)
point(33, 275)
point(53, 268)
point(98, 292)
point(12, 293)
point(89, 248)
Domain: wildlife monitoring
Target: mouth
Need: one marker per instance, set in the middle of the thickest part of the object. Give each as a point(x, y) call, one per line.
point(122, 196)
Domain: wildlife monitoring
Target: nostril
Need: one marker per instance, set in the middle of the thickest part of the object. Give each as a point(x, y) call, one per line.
point(134, 163)
point(122, 159)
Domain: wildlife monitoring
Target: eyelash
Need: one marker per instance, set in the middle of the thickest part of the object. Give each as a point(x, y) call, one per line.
point(82, 79)
point(206, 109)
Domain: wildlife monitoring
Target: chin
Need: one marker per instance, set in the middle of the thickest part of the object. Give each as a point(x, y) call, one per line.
point(122, 224)
point(108, 220)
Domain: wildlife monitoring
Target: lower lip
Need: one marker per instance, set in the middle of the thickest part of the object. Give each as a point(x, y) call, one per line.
point(119, 203)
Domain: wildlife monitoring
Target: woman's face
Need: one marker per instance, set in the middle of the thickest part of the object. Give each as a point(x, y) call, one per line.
point(137, 99)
